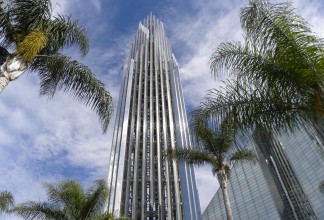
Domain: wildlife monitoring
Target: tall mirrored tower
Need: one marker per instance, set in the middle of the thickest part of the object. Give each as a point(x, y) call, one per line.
point(150, 117)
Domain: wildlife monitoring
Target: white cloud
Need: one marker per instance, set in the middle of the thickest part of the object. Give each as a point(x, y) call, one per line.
point(201, 33)
point(97, 4)
point(40, 137)
point(312, 12)
point(207, 185)
point(195, 36)
point(36, 133)
point(59, 6)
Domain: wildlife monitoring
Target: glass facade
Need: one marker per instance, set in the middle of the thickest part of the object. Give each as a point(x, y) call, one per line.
point(284, 184)
point(305, 155)
point(249, 194)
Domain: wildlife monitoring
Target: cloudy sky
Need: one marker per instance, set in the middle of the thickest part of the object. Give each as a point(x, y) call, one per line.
point(45, 140)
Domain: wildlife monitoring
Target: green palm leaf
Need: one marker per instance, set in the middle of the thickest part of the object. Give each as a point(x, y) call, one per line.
point(256, 67)
point(246, 107)
point(67, 201)
point(244, 155)
point(6, 201)
point(62, 32)
point(59, 72)
point(281, 66)
point(96, 199)
point(288, 33)
point(279, 26)
point(214, 140)
point(30, 15)
point(68, 194)
point(39, 210)
point(107, 216)
point(28, 28)
point(216, 147)
point(3, 55)
point(6, 28)
point(197, 157)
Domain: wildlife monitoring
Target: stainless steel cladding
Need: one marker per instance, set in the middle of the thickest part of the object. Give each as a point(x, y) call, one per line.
point(151, 117)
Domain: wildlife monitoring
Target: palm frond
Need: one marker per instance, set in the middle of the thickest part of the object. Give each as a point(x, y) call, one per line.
point(65, 32)
point(195, 157)
point(96, 197)
point(268, 24)
point(59, 72)
point(281, 66)
point(30, 15)
point(20, 18)
point(203, 135)
point(246, 107)
point(257, 67)
point(67, 200)
point(38, 210)
point(68, 194)
point(3, 55)
point(6, 201)
point(279, 28)
point(107, 216)
point(6, 27)
point(244, 155)
point(214, 140)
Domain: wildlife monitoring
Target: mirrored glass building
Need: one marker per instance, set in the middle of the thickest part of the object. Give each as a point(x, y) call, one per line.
point(150, 117)
point(284, 184)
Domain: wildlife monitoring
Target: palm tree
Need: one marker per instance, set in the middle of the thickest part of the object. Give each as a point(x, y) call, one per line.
point(279, 71)
point(35, 39)
point(67, 201)
point(6, 201)
point(217, 150)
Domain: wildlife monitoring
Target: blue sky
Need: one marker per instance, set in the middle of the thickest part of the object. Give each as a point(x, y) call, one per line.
point(45, 140)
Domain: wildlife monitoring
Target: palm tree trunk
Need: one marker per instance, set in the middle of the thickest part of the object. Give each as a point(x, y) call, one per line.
point(222, 178)
point(11, 69)
point(4, 81)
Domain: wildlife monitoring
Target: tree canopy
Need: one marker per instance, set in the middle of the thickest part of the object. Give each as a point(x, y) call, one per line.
point(278, 70)
point(67, 200)
point(31, 37)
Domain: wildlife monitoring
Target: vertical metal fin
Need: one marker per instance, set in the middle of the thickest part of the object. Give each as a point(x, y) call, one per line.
point(150, 118)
